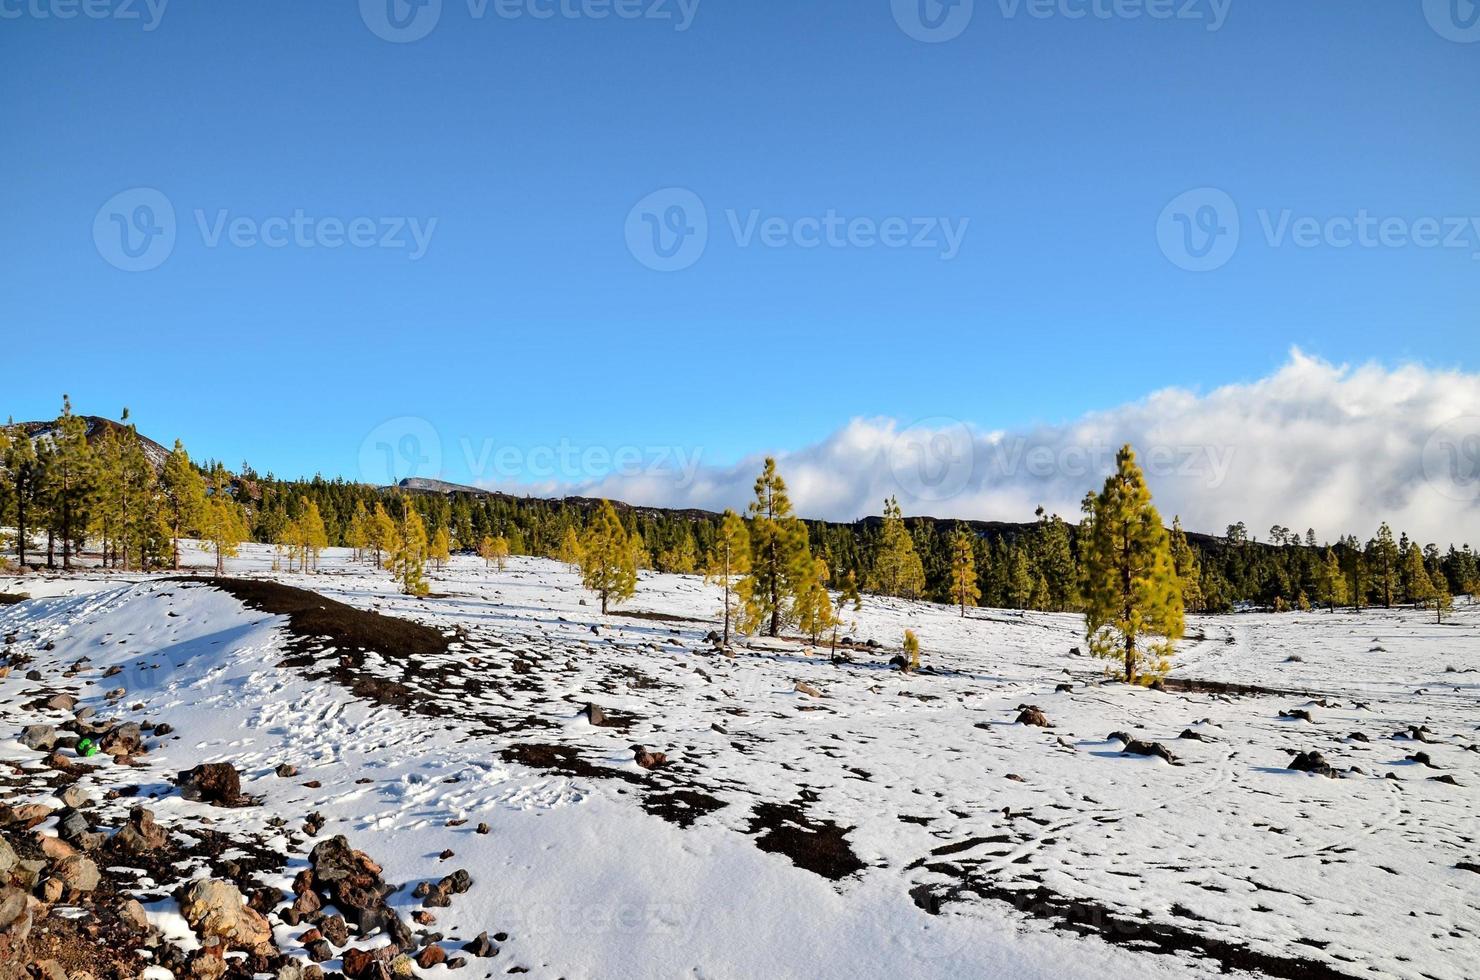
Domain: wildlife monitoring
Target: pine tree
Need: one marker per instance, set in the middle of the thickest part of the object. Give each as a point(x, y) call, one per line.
point(408, 552)
point(729, 559)
point(779, 556)
point(1020, 581)
point(814, 608)
point(441, 550)
point(494, 551)
point(313, 537)
point(847, 596)
point(1332, 588)
point(679, 559)
point(609, 558)
point(897, 569)
point(1056, 565)
point(357, 535)
point(223, 524)
point(1133, 596)
point(382, 532)
point(1189, 570)
point(1382, 558)
point(23, 475)
point(964, 590)
point(569, 550)
point(1418, 585)
point(185, 498)
point(69, 479)
point(911, 651)
point(1439, 592)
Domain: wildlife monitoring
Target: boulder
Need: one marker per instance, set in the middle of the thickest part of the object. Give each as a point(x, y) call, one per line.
point(217, 783)
point(39, 738)
point(215, 909)
point(1137, 747)
point(1312, 762)
point(649, 760)
point(482, 946)
point(78, 873)
point(1031, 714)
point(141, 834)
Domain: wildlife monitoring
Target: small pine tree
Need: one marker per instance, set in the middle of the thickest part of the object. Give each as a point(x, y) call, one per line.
point(1133, 597)
point(609, 558)
point(897, 569)
point(911, 651)
point(1189, 569)
point(1331, 584)
point(223, 523)
point(964, 589)
point(1418, 586)
point(357, 535)
point(408, 553)
point(313, 537)
point(382, 533)
point(847, 596)
point(569, 550)
point(780, 558)
point(729, 559)
point(814, 606)
point(441, 547)
point(1439, 592)
point(185, 497)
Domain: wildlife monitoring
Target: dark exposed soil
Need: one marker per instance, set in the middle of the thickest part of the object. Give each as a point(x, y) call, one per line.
point(1090, 918)
point(818, 846)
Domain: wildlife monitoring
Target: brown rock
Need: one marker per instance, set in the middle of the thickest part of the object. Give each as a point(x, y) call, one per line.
point(51, 891)
point(649, 760)
point(133, 915)
point(1031, 714)
point(141, 834)
point(78, 873)
point(217, 783)
point(430, 957)
point(215, 909)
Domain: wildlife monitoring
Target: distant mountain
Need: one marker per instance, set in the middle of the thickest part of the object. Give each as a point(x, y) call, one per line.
point(97, 427)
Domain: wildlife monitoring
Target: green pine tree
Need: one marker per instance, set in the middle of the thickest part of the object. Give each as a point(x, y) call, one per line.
point(1133, 598)
point(609, 558)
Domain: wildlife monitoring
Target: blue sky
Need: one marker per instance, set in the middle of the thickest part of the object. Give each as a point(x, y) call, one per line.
point(1052, 145)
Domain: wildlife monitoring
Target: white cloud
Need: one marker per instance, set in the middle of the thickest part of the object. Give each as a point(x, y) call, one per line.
point(1313, 445)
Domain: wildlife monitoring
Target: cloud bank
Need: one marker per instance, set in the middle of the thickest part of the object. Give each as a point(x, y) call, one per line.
point(1314, 445)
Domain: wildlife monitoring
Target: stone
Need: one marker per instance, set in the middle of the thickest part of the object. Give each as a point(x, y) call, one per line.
point(39, 738)
point(335, 929)
point(430, 957)
point(216, 909)
point(802, 687)
point(57, 849)
point(1031, 714)
point(51, 891)
point(122, 740)
point(61, 702)
point(73, 797)
point(649, 760)
point(8, 859)
point(286, 771)
point(595, 715)
point(217, 783)
point(78, 873)
point(482, 946)
point(132, 914)
point(1137, 747)
point(141, 834)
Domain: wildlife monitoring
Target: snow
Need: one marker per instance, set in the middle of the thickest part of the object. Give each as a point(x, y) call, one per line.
point(1358, 873)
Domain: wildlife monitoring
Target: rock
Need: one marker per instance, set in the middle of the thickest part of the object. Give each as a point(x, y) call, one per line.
point(1312, 762)
point(1031, 714)
point(1446, 778)
point(1422, 758)
point(445, 855)
point(39, 738)
point(162, 729)
point(482, 946)
point(286, 771)
point(8, 859)
point(57, 849)
point(61, 702)
point(335, 929)
point(122, 740)
point(216, 909)
point(1197, 736)
point(439, 896)
point(78, 873)
point(50, 970)
point(430, 957)
point(362, 964)
point(483, 828)
point(51, 891)
point(132, 914)
point(1298, 714)
point(595, 715)
point(1137, 747)
point(802, 687)
point(73, 826)
point(1358, 737)
point(117, 694)
point(141, 834)
point(649, 760)
point(29, 815)
point(1063, 688)
point(15, 910)
point(217, 783)
point(73, 797)
point(320, 951)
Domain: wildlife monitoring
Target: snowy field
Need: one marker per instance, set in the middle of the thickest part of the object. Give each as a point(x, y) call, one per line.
point(898, 826)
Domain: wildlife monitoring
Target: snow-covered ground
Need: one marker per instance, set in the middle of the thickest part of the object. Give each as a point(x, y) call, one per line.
point(895, 826)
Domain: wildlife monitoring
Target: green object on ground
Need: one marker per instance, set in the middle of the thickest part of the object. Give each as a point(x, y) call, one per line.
point(87, 747)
